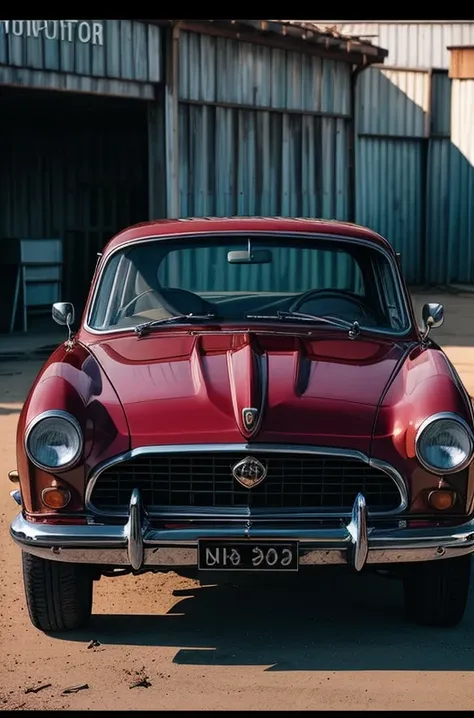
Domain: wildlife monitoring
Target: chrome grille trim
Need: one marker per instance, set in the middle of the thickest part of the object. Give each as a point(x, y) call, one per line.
point(239, 513)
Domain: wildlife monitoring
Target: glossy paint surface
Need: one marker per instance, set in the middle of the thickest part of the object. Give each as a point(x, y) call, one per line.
point(179, 388)
point(185, 384)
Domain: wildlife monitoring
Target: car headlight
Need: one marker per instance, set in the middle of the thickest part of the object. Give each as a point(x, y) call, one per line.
point(444, 443)
point(54, 441)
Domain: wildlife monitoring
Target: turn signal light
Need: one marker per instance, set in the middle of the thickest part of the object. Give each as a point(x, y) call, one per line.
point(441, 499)
point(55, 498)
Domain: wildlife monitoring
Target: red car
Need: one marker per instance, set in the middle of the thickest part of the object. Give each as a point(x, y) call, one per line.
point(245, 395)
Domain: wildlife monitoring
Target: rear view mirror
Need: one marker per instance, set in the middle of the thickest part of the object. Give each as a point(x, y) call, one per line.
point(251, 256)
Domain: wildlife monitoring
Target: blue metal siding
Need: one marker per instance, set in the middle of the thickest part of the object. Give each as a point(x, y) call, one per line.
point(417, 189)
point(254, 162)
point(39, 79)
point(439, 187)
point(393, 102)
point(207, 270)
point(223, 71)
point(389, 195)
point(262, 131)
point(441, 104)
point(391, 124)
point(461, 200)
point(130, 50)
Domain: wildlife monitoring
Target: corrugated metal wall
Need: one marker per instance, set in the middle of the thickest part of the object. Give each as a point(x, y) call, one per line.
point(80, 176)
point(207, 270)
point(391, 124)
point(415, 181)
point(108, 57)
point(461, 205)
point(261, 130)
point(412, 44)
point(438, 181)
point(123, 49)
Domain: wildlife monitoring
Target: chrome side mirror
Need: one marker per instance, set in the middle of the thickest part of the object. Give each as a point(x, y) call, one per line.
point(63, 314)
point(433, 317)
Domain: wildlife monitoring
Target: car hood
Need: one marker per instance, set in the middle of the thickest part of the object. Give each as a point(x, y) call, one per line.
point(178, 387)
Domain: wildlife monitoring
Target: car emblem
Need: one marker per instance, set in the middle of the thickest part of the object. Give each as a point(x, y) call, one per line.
point(249, 417)
point(249, 472)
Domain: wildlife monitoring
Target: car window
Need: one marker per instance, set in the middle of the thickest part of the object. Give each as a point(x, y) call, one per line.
point(206, 269)
point(231, 277)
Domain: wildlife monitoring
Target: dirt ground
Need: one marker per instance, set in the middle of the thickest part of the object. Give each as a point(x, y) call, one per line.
point(334, 641)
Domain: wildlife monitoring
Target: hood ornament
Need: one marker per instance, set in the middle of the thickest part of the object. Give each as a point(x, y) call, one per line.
point(249, 418)
point(249, 472)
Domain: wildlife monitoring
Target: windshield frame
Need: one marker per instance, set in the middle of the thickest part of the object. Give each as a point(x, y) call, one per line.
point(394, 269)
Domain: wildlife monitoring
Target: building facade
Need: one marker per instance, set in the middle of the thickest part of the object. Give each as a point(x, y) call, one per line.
point(415, 177)
point(104, 123)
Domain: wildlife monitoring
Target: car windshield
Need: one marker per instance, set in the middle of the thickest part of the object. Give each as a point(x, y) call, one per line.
point(250, 279)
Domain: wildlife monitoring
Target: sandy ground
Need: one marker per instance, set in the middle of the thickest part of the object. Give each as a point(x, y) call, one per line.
point(332, 641)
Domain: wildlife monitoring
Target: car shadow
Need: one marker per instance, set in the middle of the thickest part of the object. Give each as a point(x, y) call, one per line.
point(329, 621)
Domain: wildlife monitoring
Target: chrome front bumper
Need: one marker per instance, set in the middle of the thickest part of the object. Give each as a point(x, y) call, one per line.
point(139, 545)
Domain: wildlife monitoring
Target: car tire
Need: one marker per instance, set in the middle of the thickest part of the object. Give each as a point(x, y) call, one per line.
point(58, 595)
point(436, 592)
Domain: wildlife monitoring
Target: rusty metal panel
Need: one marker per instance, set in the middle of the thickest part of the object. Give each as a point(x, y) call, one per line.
point(393, 103)
point(389, 197)
point(461, 66)
point(225, 71)
point(421, 44)
point(117, 49)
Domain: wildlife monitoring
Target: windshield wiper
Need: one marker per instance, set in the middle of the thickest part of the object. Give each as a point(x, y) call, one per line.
point(141, 329)
point(353, 327)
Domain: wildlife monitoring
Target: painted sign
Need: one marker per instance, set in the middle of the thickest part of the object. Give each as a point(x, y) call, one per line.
point(64, 30)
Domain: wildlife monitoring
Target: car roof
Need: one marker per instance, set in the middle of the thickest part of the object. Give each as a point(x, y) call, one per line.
point(165, 228)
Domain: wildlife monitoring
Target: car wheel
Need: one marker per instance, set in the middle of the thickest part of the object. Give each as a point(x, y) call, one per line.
point(58, 595)
point(436, 592)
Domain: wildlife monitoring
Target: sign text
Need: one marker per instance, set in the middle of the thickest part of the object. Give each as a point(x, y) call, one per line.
point(64, 30)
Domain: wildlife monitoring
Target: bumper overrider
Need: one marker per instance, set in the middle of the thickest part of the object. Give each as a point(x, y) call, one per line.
point(138, 545)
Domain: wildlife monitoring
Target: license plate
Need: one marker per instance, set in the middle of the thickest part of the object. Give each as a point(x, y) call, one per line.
point(248, 556)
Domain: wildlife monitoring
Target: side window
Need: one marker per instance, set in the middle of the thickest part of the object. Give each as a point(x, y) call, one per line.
point(388, 293)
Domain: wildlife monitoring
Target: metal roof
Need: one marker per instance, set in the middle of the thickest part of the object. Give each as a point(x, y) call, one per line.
point(168, 228)
point(298, 35)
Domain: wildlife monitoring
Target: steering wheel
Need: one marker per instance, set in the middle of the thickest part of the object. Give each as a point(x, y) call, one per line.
point(328, 293)
point(122, 310)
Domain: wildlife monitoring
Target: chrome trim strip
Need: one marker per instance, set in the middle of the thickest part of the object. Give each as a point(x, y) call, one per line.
point(313, 235)
point(57, 414)
point(262, 362)
point(240, 513)
point(397, 478)
point(139, 546)
point(437, 417)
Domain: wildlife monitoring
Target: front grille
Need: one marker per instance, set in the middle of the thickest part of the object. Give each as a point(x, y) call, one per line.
point(205, 480)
